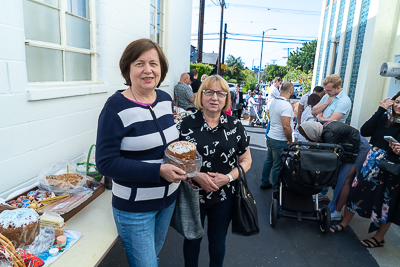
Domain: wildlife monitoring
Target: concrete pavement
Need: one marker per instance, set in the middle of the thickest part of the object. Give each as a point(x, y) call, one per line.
point(290, 243)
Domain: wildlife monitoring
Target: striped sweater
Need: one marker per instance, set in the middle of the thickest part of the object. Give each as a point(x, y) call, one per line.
point(131, 140)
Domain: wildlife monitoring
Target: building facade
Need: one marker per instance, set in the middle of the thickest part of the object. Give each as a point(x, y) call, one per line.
point(355, 38)
point(59, 62)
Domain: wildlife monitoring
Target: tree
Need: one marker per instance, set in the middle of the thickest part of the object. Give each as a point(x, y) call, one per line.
point(303, 58)
point(235, 66)
point(201, 68)
point(303, 78)
point(273, 71)
point(249, 80)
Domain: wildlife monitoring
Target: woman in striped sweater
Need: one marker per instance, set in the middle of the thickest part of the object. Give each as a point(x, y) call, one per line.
point(135, 127)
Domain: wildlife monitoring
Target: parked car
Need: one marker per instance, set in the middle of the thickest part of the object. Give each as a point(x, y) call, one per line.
point(232, 87)
point(297, 89)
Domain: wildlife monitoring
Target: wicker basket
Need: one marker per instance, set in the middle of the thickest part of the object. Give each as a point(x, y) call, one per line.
point(8, 246)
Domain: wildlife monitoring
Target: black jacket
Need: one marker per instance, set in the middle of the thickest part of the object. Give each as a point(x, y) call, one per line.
point(348, 137)
point(233, 99)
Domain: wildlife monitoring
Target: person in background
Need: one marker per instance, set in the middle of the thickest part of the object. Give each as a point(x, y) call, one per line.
point(207, 129)
point(335, 105)
point(195, 82)
point(184, 97)
point(303, 101)
point(279, 135)
point(274, 91)
point(374, 193)
point(260, 101)
point(203, 77)
point(306, 115)
point(237, 102)
point(251, 105)
point(144, 190)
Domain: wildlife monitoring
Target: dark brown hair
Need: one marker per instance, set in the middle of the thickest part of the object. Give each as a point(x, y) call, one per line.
point(313, 99)
point(133, 51)
point(392, 120)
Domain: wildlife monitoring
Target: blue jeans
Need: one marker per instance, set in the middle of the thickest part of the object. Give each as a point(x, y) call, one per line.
point(219, 216)
point(272, 162)
point(143, 234)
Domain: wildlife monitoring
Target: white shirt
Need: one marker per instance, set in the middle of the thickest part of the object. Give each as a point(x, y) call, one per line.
point(280, 107)
point(273, 93)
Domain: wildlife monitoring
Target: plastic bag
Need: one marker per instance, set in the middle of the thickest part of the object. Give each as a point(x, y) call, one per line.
point(87, 165)
point(43, 241)
point(61, 179)
point(191, 167)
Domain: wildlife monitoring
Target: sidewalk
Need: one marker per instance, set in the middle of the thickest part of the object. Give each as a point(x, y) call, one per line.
point(389, 255)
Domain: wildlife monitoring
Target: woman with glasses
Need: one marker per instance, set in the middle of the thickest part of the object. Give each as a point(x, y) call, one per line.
point(221, 140)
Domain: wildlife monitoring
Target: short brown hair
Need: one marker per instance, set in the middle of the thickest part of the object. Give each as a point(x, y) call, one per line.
point(277, 79)
point(133, 51)
point(335, 79)
point(207, 84)
point(286, 86)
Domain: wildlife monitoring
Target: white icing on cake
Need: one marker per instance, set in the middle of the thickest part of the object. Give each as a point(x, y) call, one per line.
point(181, 147)
point(18, 217)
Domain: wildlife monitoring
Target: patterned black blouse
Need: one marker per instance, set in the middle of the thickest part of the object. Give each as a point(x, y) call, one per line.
point(219, 148)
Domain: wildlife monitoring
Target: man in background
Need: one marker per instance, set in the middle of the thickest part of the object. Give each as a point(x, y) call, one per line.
point(274, 90)
point(279, 135)
point(195, 82)
point(184, 97)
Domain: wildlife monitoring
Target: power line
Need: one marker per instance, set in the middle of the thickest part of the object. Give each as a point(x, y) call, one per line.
point(272, 9)
point(252, 40)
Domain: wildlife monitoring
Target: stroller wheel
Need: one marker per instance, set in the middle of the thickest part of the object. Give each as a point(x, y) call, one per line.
point(273, 214)
point(325, 219)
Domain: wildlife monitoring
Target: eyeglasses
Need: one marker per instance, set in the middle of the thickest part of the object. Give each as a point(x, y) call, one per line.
point(220, 94)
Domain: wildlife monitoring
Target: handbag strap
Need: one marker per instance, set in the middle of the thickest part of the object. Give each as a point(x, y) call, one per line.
point(242, 175)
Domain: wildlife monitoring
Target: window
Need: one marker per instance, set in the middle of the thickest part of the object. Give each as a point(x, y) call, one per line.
point(58, 40)
point(157, 21)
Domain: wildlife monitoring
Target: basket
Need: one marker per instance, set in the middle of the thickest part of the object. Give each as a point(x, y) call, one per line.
point(94, 174)
point(9, 248)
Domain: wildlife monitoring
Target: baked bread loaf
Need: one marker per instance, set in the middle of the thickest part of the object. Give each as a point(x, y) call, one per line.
point(183, 155)
point(20, 226)
point(64, 181)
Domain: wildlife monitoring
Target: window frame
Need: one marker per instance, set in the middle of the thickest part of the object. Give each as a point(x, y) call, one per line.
point(63, 47)
point(153, 24)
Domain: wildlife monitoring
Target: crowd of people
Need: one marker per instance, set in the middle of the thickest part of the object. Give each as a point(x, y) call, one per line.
point(137, 124)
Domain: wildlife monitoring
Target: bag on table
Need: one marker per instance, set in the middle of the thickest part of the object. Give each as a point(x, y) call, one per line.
point(245, 216)
point(186, 217)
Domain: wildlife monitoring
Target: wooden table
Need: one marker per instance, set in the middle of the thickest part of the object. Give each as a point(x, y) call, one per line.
point(96, 224)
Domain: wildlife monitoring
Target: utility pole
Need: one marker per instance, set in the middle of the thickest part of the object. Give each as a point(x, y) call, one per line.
point(222, 2)
point(223, 51)
point(200, 33)
point(288, 48)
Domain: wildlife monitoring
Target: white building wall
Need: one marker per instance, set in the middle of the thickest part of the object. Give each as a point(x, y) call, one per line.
point(381, 43)
point(41, 124)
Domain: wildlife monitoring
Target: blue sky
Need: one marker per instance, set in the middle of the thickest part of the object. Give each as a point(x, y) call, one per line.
point(293, 19)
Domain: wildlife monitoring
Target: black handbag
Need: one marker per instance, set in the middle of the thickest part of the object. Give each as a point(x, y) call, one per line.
point(314, 168)
point(186, 217)
point(245, 216)
point(390, 167)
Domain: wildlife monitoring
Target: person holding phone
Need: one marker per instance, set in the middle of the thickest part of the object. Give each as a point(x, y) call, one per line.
point(373, 193)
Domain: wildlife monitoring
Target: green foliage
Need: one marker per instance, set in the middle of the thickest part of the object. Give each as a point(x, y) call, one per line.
point(235, 66)
point(303, 58)
point(273, 71)
point(303, 78)
point(232, 80)
point(249, 80)
point(201, 68)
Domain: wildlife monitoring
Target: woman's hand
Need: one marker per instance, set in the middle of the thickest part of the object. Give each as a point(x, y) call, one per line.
point(386, 103)
point(219, 179)
point(395, 147)
point(172, 173)
point(206, 182)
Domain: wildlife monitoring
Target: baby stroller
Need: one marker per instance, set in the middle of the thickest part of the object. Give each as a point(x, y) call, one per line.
point(307, 169)
point(261, 121)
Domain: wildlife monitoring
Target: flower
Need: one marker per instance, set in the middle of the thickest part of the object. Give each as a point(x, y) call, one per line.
point(355, 182)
